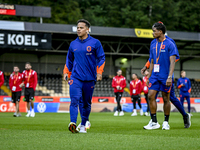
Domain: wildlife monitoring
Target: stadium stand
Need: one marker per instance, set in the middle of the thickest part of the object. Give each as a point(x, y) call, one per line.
point(53, 85)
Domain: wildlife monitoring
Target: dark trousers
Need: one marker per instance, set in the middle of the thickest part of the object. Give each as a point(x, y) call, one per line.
point(136, 98)
point(118, 99)
point(147, 100)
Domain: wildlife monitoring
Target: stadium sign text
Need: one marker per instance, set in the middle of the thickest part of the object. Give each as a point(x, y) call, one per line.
point(25, 40)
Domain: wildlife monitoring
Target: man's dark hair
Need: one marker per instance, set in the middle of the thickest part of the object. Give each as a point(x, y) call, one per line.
point(136, 75)
point(15, 66)
point(85, 21)
point(28, 63)
point(159, 26)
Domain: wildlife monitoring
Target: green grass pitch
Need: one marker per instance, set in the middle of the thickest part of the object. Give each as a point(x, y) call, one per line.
point(50, 131)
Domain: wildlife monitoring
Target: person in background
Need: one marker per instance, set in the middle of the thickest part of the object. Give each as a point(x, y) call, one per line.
point(14, 83)
point(135, 91)
point(119, 83)
point(145, 90)
point(184, 85)
point(30, 83)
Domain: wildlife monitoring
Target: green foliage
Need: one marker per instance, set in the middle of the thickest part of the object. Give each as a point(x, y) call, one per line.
point(182, 15)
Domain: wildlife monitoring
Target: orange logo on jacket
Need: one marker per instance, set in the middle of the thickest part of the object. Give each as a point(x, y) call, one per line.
point(163, 47)
point(70, 82)
point(89, 48)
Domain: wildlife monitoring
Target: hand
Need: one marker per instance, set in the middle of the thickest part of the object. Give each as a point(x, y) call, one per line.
point(143, 70)
point(99, 77)
point(21, 85)
point(182, 84)
point(147, 83)
point(120, 88)
point(64, 76)
point(169, 82)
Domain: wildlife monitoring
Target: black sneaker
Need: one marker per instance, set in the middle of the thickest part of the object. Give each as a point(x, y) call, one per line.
point(187, 121)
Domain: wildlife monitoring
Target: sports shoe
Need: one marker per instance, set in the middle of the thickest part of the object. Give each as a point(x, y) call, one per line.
point(15, 115)
point(78, 127)
point(121, 113)
point(146, 114)
point(32, 114)
point(152, 125)
point(187, 121)
point(19, 115)
point(87, 125)
point(134, 113)
point(190, 114)
point(165, 126)
point(116, 113)
point(28, 115)
point(141, 112)
point(72, 127)
point(148, 124)
point(83, 129)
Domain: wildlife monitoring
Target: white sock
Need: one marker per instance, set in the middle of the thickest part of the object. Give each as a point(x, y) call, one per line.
point(29, 112)
point(32, 110)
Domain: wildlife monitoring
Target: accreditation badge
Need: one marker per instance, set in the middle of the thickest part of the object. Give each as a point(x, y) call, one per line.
point(27, 85)
point(156, 68)
point(145, 88)
point(134, 91)
point(14, 88)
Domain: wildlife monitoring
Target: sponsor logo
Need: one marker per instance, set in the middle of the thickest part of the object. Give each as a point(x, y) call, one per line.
point(123, 100)
point(162, 50)
point(7, 107)
point(102, 100)
point(158, 100)
point(47, 99)
point(163, 47)
point(65, 99)
point(41, 107)
point(70, 82)
point(144, 33)
point(7, 99)
point(197, 100)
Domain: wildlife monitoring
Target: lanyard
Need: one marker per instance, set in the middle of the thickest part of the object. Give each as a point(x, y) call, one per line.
point(134, 84)
point(29, 75)
point(15, 79)
point(157, 58)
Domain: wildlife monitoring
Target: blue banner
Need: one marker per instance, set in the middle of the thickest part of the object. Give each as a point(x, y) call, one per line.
point(42, 107)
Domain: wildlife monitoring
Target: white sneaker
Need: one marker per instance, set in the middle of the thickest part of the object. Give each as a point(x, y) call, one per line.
point(15, 114)
point(134, 113)
point(146, 114)
point(28, 115)
point(83, 129)
point(152, 125)
point(141, 112)
point(87, 125)
point(116, 113)
point(190, 114)
point(78, 127)
point(148, 124)
point(165, 126)
point(32, 114)
point(121, 113)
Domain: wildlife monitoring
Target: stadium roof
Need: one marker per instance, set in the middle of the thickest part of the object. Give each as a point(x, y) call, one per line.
point(116, 41)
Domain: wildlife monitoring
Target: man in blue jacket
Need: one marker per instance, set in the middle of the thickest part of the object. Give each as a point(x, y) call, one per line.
point(185, 88)
point(85, 62)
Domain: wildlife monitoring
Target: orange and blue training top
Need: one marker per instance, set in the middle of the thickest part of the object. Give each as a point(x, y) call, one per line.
point(160, 52)
point(85, 58)
point(184, 85)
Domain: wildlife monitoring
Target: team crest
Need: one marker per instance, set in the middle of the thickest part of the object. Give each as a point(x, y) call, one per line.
point(89, 48)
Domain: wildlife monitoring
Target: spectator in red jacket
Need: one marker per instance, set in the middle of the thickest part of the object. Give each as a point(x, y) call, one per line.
point(135, 91)
point(30, 83)
point(145, 90)
point(119, 83)
point(1, 79)
point(14, 83)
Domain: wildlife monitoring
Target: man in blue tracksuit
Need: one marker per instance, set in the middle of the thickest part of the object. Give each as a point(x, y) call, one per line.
point(185, 88)
point(85, 62)
point(173, 98)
